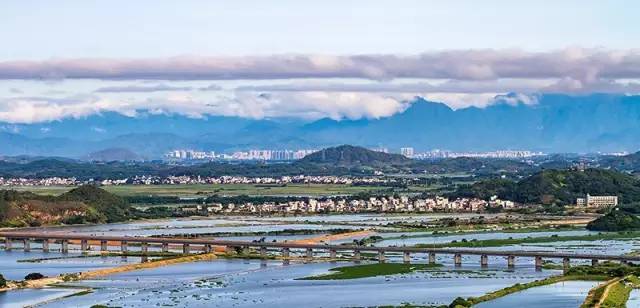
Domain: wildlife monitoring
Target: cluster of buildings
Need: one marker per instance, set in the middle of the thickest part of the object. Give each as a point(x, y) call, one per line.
point(272, 155)
point(190, 155)
point(597, 201)
point(345, 205)
point(54, 181)
point(304, 179)
point(175, 180)
point(435, 154)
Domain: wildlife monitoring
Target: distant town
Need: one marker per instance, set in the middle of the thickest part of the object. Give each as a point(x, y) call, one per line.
point(389, 204)
point(288, 155)
point(384, 204)
point(183, 180)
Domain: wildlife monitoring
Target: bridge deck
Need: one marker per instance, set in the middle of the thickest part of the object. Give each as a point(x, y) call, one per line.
point(326, 247)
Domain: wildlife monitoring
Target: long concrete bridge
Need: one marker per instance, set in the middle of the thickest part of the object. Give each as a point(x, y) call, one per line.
point(27, 238)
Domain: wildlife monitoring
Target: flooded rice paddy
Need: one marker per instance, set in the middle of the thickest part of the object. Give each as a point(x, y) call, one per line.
point(251, 283)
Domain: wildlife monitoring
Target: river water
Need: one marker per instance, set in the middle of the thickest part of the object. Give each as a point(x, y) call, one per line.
point(251, 283)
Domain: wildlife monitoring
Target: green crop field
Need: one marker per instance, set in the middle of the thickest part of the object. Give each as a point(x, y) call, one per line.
point(193, 190)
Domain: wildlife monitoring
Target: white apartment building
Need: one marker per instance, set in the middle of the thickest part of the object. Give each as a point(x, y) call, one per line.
point(597, 201)
point(408, 152)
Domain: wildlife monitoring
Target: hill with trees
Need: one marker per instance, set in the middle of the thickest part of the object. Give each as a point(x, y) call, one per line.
point(354, 156)
point(616, 220)
point(560, 187)
point(85, 204)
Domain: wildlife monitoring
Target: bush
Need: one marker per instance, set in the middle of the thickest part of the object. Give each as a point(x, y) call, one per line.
point(33, 276)
point(3, 282)
point(616, 220)
point(459, 302)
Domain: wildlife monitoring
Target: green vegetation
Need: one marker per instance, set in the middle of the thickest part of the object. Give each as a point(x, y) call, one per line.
point(594, 296)
point(616, 220)
point(33, 276)
point(461, 302)
point(602, 272)
point(354, 156)
point(531, 240)
point(3, 282)
point(608, 269)
point(557, 187)
point(80, 205)
point(371, 270)
point(106, 206)
point(165, 194)
point(617, 296)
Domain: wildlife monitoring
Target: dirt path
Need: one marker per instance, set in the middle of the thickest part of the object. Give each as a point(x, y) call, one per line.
point(610, 285)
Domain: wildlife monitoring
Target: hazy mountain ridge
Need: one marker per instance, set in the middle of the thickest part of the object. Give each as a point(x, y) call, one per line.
point(556, 123)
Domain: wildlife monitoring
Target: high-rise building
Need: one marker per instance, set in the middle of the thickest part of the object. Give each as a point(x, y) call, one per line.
point(408, 152)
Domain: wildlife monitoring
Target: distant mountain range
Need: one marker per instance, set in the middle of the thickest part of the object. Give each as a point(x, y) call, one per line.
point(556, 123)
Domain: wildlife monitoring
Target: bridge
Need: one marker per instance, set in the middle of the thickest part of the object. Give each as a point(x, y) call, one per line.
point(206, 245)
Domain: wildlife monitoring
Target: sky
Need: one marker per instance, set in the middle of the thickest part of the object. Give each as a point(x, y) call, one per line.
point(338, 59)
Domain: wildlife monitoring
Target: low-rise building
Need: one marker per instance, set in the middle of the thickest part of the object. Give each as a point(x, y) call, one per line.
point(597, 201)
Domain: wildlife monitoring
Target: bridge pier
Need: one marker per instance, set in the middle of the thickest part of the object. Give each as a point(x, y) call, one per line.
point(356, 255)
point(309, 253)
point(332, 255)
point(285, 253)
point(45, 245)
point(484, 261)
point(432, 258)
point(538, 262)
point(457, 259)
point(186, 248)
point(124, 246)
point(84, 246)
point(381, 257)
point(208, 248)
point(511, 261)
point(104, 246)
point(64, 246)
point(165, 247)
point(594, 262)
point(144, 247)
point(7, 244)
point(406, 257)
point(566, 264)
point(26, 244)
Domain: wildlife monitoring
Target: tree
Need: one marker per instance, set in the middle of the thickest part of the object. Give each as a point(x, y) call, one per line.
point(3, 282)
point(33, 276)
point(616, 220)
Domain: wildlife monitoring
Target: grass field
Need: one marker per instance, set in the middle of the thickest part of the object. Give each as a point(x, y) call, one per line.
point(192, 190)
point(371, 270)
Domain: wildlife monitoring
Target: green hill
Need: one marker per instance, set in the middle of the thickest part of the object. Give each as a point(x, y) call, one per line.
point(85, 204)
point(616, 220)
point(354, 156)
point(560, 187)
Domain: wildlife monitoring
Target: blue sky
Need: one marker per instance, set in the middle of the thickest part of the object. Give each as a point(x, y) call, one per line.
point(44, 29)
point(342, 59)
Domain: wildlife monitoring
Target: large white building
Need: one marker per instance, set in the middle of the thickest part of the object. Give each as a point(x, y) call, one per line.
point(408, 152)
point(597, 201)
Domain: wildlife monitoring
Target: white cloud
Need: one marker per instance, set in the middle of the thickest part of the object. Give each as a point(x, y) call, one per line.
point(586, 65)
point(308, 105)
